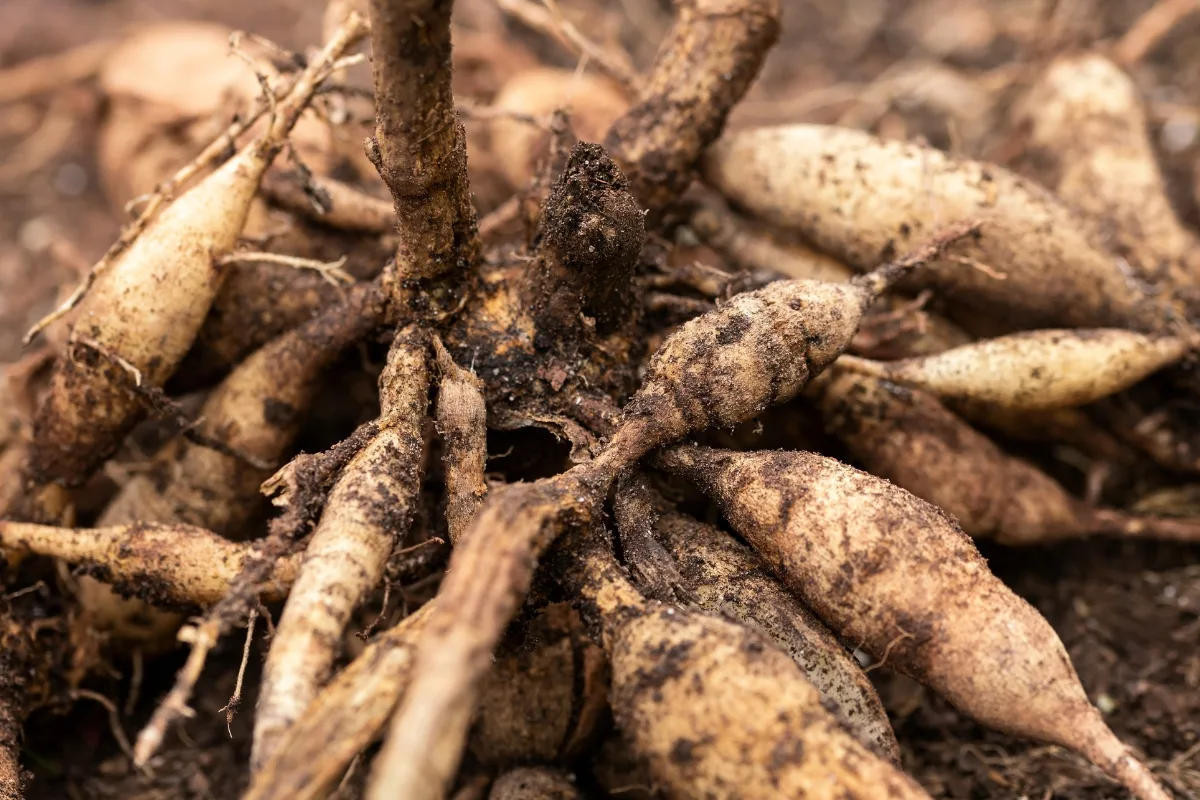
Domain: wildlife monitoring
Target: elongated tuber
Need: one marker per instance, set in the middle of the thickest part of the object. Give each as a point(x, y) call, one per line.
point(715, 708)
point(1089, 133)
point(756, 350)
point(726, 577)
point(909, 438)
point(173, 566)
point(887, 569)
point(1035, 370)
point(130, 331)
point(861, 198)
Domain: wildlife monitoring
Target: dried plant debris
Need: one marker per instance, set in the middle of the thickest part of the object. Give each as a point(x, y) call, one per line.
point(451, 376)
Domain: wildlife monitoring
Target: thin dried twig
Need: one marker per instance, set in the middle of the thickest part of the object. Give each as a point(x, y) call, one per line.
point(235, 700)
point(1150, 28)
point(547, 18)
point(331, 271)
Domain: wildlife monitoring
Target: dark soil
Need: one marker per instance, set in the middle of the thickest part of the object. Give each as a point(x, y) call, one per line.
point(1129, 613)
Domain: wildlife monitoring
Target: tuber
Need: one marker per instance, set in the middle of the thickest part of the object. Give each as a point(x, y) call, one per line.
point(889, 570)
point(715, 708)
point(369, 507)
point(909, 438)
point(1035, 370)
point(860, 199)
point(726, 577)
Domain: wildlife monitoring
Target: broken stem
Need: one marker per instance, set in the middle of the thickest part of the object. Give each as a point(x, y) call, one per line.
point(420, 145)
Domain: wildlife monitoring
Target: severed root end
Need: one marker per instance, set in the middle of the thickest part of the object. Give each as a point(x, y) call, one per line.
point(592, 232)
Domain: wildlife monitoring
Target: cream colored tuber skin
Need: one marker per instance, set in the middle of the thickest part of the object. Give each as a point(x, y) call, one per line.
point(139, 319)
point(248, 422)
point(860, 198)
point(716, 709)
point(370, 505)
point(909, 438)
point(1089, 141)
point(1036, 370)
point(893, 572)
point(461, 419)
point(534, 783)
point(170, 565)
point(725, 577)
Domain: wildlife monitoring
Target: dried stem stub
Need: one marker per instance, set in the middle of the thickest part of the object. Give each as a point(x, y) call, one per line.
point(707, 61)
point(420, 149)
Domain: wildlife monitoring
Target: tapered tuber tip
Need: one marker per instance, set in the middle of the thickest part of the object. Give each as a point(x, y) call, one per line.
point(1105, 750)
point(1148, 527)
point(878, 281)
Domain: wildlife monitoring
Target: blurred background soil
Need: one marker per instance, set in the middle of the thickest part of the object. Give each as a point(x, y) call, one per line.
point(1129, 613)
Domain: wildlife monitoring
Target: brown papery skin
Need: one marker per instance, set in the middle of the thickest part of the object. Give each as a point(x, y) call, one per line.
point(1035, 370)
point(544, 700)
point(893, 572)
point(534, 783)
point(1089, 141)
point(705, 64)
point(488, 578)
point(725, 577)
point(715, 708)
point(174, 566)
point(861, 198)
point(461, 418)
point(370, 505)
point(909, 438)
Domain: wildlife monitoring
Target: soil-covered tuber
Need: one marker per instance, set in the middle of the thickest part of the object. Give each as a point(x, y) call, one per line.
point(893, 572)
